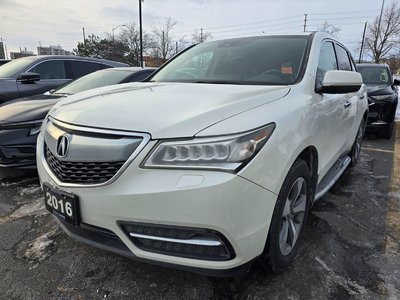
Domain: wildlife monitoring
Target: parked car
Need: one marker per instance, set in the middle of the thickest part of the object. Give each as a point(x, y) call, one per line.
point(4, 61)
point(37, 74)
point(382, 97)
point(20, 119)
point(217, 161)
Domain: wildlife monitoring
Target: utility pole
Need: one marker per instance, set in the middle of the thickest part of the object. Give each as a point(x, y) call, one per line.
point(380, 17)
point(362, 42)
point(305, 22)
point(201, 35)
point(84, 36)
point(176, 47)
point(141, 33)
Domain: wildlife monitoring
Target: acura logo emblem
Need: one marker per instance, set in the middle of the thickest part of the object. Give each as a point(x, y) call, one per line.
point(62, 146)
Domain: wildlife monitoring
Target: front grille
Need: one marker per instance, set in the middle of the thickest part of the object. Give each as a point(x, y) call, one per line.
point(160, 239)
point(82, 172)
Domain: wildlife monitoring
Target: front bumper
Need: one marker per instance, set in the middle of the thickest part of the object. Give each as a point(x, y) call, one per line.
point(226, 203)
point(381, 113)
point(17, 148)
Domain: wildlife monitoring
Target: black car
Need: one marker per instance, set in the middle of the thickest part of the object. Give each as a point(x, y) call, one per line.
point(382, 97)
point(20, 119)
point(37, 74)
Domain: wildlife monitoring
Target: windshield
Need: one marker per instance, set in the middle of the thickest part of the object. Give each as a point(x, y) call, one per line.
point(374, 75)
point(94, 80)
point(15, 66)
point(256, 60)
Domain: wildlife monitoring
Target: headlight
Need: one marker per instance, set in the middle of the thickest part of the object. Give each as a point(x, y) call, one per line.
point(228, 153)
point(385, 97)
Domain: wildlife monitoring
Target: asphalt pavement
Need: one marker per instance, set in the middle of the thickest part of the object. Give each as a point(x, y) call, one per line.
point(351, 247)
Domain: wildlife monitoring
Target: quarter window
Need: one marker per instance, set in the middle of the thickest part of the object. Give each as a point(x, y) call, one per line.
point(327, 62)
point(52, 69)
point(81, 68)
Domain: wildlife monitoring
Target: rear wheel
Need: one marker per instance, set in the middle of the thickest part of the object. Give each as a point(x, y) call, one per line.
point(289, 217)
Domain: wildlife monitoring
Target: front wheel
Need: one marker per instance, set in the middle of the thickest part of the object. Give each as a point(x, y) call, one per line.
point(289, 217)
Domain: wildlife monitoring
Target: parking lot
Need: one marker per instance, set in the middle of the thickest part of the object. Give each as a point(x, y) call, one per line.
point(351, 248)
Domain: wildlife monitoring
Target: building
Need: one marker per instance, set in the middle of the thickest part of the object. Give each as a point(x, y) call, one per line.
point(2, 52)
point(52, 50)
point(21, 53)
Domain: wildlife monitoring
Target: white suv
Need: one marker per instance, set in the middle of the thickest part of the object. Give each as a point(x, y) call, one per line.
point(213, 162)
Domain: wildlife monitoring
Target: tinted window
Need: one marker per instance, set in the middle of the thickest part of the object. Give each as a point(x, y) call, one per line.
point(141, 76)
point(51, 69)
point(94, 80)
point(81, 68)
point(375, 75)
point(103, 66)
point(343, 59)
point(256, 60)
point(326, 62)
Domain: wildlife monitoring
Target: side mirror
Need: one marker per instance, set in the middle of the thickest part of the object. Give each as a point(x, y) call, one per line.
point(28, 77)
point(396, 81)
point(340, 82)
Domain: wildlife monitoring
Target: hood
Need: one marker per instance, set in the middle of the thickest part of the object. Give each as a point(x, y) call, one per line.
point(23, 111)
point(375, 90)
point(165, 110)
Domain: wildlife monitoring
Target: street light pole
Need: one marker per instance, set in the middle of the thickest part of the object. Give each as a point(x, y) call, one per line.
point(84, 36)
point(141, 33)
point(362, 42)
point(116, 28)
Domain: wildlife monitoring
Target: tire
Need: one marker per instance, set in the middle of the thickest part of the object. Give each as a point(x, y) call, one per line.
point(282, 243)
point(388, 131)
point(356, 148)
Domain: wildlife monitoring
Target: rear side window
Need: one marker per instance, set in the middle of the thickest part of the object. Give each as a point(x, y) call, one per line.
point(81, 68)
point(103, 66)
point(141, 76)
point(343, 59)
point(327, 62)
point(51, 69)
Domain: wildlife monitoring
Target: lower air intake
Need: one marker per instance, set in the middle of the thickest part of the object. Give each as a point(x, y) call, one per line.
point(186, 242)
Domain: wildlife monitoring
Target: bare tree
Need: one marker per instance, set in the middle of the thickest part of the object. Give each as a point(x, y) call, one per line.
point(130, 36)
point(329, 28)
point(162, 39)
point(381, 41)
point(200, 36)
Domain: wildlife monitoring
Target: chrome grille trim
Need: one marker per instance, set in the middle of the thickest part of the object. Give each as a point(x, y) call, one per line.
point(83, 129)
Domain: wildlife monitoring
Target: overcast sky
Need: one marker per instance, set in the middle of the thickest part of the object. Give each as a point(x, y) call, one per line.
point(24, 23)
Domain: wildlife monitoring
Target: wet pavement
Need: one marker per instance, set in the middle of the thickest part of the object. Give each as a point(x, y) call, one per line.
point(351, 248)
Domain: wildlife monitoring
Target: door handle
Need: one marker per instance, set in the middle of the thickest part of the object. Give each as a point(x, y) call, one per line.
point(347, 104)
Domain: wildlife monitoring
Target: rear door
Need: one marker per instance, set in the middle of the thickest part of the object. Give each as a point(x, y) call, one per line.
point(52, 74)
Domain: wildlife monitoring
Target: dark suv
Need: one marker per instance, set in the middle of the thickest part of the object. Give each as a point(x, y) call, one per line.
point(382, 97)
point(38, 74)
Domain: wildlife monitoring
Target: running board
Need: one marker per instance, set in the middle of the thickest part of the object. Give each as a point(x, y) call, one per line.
point(332, 176)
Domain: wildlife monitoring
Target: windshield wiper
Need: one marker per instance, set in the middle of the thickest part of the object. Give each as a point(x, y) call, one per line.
point(218, 82)
point(62, 94)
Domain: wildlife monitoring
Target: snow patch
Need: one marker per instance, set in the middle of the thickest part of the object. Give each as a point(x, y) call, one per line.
point(41, 247)
point(32, 209)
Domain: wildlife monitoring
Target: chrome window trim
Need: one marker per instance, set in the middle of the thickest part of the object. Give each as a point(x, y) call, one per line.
point(145, 140)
